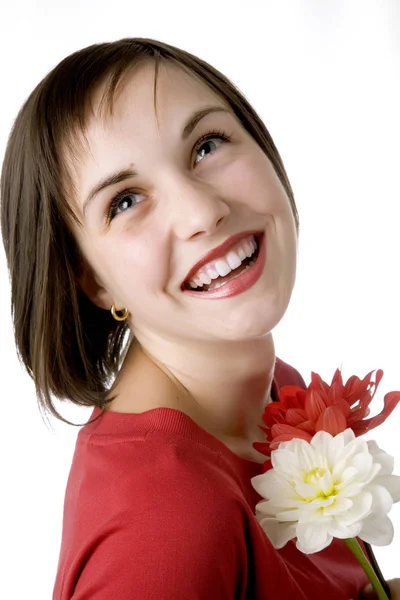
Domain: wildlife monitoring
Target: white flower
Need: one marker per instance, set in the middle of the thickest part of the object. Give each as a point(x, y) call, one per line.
point(335, 486)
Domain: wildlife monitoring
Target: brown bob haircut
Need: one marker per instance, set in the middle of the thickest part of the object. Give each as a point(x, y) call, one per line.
point(71, 348)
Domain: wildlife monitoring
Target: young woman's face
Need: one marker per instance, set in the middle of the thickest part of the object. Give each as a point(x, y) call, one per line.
point(179, 192)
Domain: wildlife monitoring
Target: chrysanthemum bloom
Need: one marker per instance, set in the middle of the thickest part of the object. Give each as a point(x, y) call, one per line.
point(302, 413)
point(335, 486)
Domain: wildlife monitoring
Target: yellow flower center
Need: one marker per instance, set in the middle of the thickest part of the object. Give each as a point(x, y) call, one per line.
point(313, 477)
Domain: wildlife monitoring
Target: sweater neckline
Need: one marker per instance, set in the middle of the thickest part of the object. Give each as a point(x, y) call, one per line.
point(163, 419)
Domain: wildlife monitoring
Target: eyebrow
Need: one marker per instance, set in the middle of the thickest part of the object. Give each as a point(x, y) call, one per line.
point(124, 174)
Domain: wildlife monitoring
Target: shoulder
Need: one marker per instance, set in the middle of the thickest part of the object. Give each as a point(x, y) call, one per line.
point(286, 374)
point(160, 524)
point(185, 476)
point(182, 494)
point(163, 481)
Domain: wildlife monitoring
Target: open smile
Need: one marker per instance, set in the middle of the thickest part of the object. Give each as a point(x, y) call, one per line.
point(238, 280)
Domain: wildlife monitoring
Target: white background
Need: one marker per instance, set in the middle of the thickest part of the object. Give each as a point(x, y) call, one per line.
point(324, 76)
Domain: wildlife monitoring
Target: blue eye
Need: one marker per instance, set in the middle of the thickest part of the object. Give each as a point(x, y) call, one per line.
point(122, 196)
point(207, 143)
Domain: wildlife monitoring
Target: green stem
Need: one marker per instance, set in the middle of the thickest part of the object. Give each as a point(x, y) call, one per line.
point(356, 549)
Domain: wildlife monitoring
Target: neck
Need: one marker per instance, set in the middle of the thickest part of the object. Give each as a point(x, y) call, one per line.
point(224, 388)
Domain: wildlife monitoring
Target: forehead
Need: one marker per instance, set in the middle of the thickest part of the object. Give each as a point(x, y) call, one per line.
point(140, 99)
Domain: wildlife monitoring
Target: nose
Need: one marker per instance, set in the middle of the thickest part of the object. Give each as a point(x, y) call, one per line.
point(194, 207)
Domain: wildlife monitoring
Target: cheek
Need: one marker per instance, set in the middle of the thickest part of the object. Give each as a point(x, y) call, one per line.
point(143, 264)
point(254, 179)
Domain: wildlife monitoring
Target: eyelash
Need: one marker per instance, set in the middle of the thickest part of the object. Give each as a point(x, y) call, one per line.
point(204, 138)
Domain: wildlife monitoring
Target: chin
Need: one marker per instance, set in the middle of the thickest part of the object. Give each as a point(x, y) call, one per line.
point(254, 321)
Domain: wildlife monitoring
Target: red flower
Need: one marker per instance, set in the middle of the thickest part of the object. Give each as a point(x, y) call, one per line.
point(301, 413)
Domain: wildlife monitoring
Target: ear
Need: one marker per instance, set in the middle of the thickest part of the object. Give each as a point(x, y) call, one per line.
point(93, 287)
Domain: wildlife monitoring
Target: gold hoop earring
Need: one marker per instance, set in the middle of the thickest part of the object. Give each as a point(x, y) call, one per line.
point(117, 317)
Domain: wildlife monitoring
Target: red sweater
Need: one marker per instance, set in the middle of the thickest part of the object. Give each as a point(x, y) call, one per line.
point(157, 508)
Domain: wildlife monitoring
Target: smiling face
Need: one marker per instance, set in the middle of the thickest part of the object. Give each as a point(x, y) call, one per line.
point(182, 181)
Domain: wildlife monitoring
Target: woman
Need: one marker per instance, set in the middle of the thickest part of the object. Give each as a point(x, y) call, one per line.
point(139, 182)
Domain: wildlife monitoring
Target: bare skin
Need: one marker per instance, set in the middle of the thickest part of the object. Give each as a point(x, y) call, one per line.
point(152, 386)
point(214, 360)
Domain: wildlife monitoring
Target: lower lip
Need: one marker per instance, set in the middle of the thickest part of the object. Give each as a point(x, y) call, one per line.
point(240, 284)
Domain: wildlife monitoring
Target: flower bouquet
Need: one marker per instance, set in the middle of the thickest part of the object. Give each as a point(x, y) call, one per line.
point(321, 480)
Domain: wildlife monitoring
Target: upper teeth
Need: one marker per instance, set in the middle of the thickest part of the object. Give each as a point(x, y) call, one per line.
point(224, 265)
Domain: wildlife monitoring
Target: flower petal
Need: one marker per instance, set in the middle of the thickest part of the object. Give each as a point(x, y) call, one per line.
point(335, 393)
point(331, 420)
point(343, 532)
point(340, 505)
point(317, 383)
point(357, 390)
point(360, 510)
point(287, 432)
point(326, 483)
point(295, 416)
point(278, 533)
point(345, 450)
point(289, 515)
point(308, 426)
point(307, 457)
point(362, 463)
point(390, 402)
point(264, 509)
point(379, 532)
point(263, 483)
point(380, 456)
point(305, 491)
point(285, 462)
point(312, 537)
point(337, 379)
point(346, 475)
point(332, 447)
point(391, 483)
point(382, 501)
point(314, 405)
point(262, 447)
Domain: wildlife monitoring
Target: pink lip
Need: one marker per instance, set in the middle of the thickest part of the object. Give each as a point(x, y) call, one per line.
point(241, 283)
point(219, 251)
